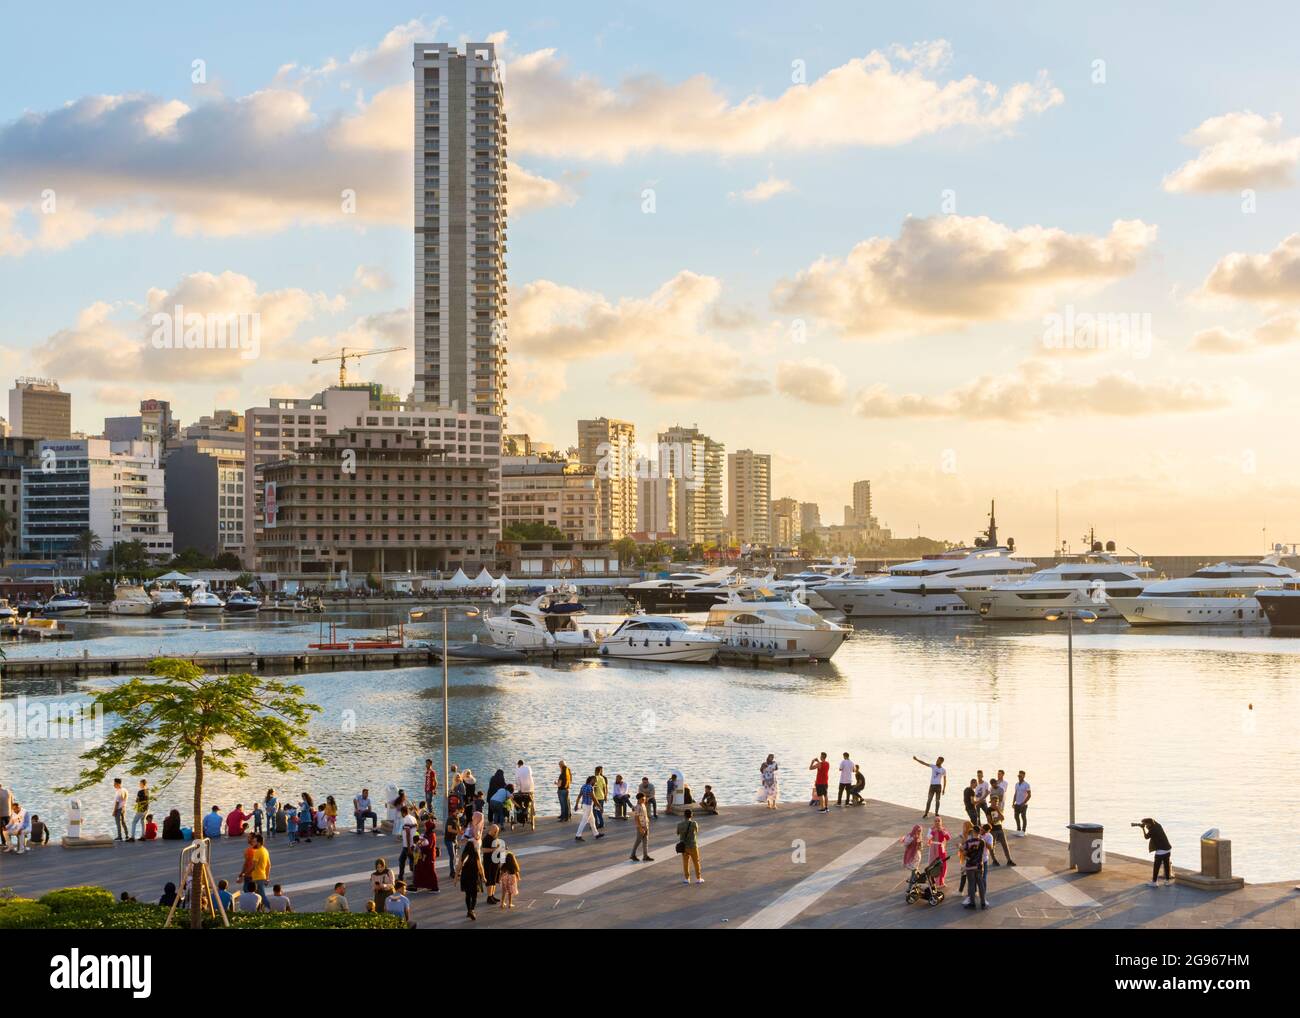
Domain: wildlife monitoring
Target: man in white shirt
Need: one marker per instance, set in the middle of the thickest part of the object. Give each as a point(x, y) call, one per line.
point(361, 809)
point(982, 794)
point(938, 783)
point(249, 901)
point(406, 831)
point(119, 810)
point(1000, 786)
point(524, 778)
point(1020, 805)
point(845, 795)
point(278, 901)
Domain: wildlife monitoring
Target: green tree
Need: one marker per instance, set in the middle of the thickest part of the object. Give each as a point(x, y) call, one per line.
point(89, 543)
point(191, 558)
point(626, 549)
point(130, 556)
point(182, 716)
point(810, 545)
point(228, 560)
point(533, 532)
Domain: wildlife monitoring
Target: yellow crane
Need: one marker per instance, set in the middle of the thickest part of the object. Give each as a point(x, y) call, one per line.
point(343, 356)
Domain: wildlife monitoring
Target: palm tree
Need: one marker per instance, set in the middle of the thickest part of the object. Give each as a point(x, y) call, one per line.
point(6, 521)
point(89, 543)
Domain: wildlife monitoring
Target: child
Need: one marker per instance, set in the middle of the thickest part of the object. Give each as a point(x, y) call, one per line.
point(331, 817)
point(150, 828)
point(291, 823)
point(257, 818)
point(510, 874)
point(370, 906)
point(281, 819)
point(273, 817)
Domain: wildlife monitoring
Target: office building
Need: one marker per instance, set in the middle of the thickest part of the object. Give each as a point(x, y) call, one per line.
point(205, 495)
point(609, 447)
point(38, 408)
point(749, 496)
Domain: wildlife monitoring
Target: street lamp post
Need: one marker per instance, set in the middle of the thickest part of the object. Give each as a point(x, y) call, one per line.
point(470, 612)
point(1087, 617)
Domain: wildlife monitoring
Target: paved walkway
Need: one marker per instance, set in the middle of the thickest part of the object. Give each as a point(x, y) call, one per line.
point(763, 869)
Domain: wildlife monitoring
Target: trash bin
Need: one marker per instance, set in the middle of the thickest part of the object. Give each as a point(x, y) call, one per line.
point(1086, 847)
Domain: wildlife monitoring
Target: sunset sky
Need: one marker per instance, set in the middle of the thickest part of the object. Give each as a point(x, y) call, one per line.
point(853, 236)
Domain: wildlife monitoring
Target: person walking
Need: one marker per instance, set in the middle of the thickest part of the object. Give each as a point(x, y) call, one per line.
point(642, 819)
point(845, 795)
point(471, 876)
point(972, 854)
point(600, 785)
point(1158, 842)
point(1020, 805)
point(999, 836)
point(494, 853)
point(562, 784)
point(119, 811)
point(822, 783)
point(510, 876)
point(587, 808)
point(938, 784)
point(426, 867)
point(913, 842)
point(688, 843)
point(141, 808)
point(939, 838)
point(408, 834)
point(771, 792)
point(451, 839)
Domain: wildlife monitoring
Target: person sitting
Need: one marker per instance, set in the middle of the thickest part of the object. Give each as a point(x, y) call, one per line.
point(859, 783)
point(40, 832)
point(709, 802)
point(277, 901)
point(18, 829)
point(171, 830)
point(150, 828)
point(223, 892)
point(249, 901)
point(126, 898)
point(168, 895)
point(212, 824)
point(236, 821)
point(338, 901)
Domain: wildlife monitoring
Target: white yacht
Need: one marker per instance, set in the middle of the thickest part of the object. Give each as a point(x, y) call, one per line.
point(549, 621)
point(762, 618)
point(659, 638)
point(63, 605)
point(7, 611)
point(168, 601)
point(242, 602)
point(130, 599)
point(929, 586)
point(684, 591)
point(204, 602)
point(805, 584)
point(1089, 581)
point(1221, 593)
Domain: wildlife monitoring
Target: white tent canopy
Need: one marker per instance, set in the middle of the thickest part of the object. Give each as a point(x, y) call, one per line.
point(459, 580)
point(173, 577)
point(484, 578)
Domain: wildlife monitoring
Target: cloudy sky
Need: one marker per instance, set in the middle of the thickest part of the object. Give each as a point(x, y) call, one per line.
point(998, 252)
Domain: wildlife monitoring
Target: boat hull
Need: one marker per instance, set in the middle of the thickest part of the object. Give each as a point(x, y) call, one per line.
point(659, 650)
point(130, 608)
point(895, 604)
point(1282, 609)
point(1005, 606)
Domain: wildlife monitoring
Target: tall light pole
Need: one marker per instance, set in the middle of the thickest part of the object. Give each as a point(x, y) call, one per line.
point(1087, 617)
point(470, 612)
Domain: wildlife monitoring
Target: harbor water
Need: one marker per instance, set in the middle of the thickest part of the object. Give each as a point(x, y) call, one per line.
point(1197, 729)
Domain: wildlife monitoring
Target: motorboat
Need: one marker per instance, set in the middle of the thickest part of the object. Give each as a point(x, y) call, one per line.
point(1092, 581)
point(805, 584)
point(929, 586)
point(168, 601)
point(759, 618)
point(130, 599)
point(1224, 593)
point(242, 601)
point(682, 592)
point(550, 620)
point(1281, 605)
point(204, 602)
point(659, 638)
point(65, 606)
point(7, 611)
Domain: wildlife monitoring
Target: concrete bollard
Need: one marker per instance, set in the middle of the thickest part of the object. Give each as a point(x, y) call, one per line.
point(1216, 866)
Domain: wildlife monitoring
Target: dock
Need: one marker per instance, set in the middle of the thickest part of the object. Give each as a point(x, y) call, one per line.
point(224, 662)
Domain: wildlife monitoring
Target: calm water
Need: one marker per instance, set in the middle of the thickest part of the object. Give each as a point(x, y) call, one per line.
point(1196, 729)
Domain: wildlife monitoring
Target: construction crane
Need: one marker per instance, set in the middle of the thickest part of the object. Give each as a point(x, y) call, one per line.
point(343, 356)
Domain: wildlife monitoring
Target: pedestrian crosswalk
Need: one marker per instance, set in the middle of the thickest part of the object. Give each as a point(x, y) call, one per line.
point(609, 874)
point(1057, 887)
point(808, 891)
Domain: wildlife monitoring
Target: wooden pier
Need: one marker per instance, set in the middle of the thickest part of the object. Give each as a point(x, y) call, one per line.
point(224, 662)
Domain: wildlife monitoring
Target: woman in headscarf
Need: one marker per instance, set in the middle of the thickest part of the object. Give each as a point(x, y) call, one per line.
point(494, 851)
point(939, 846)
point(426, 870)
point(471, 876)
point(381, 883)
point(467, 779)
point(474, 832)
point(912, 844)
point(171, 829)
point(498, 780)
point(771, 790)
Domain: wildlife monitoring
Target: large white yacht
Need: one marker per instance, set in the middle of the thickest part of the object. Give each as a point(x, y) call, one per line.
point(659, 638)
point(929, 586)
point(130, 599)
point(757, 617)
point(1221, 593)
point(1087, 581)
point(805, 585)
point(204, 602)
point(682, 592)
point(549, 621)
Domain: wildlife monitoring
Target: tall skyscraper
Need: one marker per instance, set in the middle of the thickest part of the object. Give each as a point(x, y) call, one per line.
point(696, 461)
point(656, 505)
point(861, 503)
point(749, 494)
point(810, 516)
point(609, 446)
point(460, 228)
point(38, 408)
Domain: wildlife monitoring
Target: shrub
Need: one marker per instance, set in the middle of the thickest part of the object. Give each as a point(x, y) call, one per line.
point(79, 899)
point(310, 921)
point(24, 914)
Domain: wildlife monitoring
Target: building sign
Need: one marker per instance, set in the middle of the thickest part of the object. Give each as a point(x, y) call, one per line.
point(270, 506)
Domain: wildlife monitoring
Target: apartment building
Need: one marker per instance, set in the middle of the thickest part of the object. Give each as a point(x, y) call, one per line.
point(609, 448)
point(559, 493)
point(749, 496)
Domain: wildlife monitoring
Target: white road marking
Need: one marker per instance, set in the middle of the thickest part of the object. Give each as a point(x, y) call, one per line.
point(624, 868)
point(803, 894)
point(351, 878)
point(1064, 892)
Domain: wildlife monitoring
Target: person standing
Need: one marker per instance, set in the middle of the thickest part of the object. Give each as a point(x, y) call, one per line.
point(494, 853)
point(939, 838)
point(6, 804)
point(119, 810)
point(271, 805)
point(430, 783)
point(601, 787)
point(642, 819)
point(471, 877)
point(938, 784)
point(688, 837)
point(587, 808)
point(845, 796)
point(822, 783)
point(257, 866)
point(972, 854)
point(141, 808)
point(981, 796)
point(1020, 805)
point(968, 802)
point(771, 790)
point(1000, 786)
point(426, 867)
point(381, 883)
point(999, 836)
point(407, 835)
point(1158, 842)
point(562, 784)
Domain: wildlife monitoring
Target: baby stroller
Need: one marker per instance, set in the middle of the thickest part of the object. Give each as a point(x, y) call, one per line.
point(520, 811)
point(923, 884)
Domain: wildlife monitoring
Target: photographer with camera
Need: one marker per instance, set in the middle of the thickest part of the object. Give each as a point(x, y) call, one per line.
point(1157, 842)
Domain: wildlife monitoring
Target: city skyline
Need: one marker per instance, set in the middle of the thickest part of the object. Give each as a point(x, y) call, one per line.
point(710, 231)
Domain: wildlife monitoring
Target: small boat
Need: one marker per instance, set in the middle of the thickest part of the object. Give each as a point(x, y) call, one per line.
point(168, 601)
point(761, 619)
point(65, 606)
point(241, 600)
point(476, 652)
point(7, 611)
point(549, 621)
point(659, 638)
point(130, 599)
point(204, 602)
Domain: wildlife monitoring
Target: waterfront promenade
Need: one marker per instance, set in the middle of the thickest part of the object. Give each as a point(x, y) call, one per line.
point(851, 875)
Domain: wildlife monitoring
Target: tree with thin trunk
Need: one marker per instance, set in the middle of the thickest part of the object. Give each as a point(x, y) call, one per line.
point(217, 722)
point(89, 543)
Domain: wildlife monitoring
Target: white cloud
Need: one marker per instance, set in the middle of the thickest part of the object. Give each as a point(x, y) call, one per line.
point(764, 190)
point(883, 99)
point(1261, 278)
point(1039, 390)
point(946, 272)
point(811, 381)
point(1280, 330)
point(372, 277)
point(1238, 150)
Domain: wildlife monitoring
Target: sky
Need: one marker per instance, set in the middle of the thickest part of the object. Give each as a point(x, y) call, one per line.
point(1003, 251)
